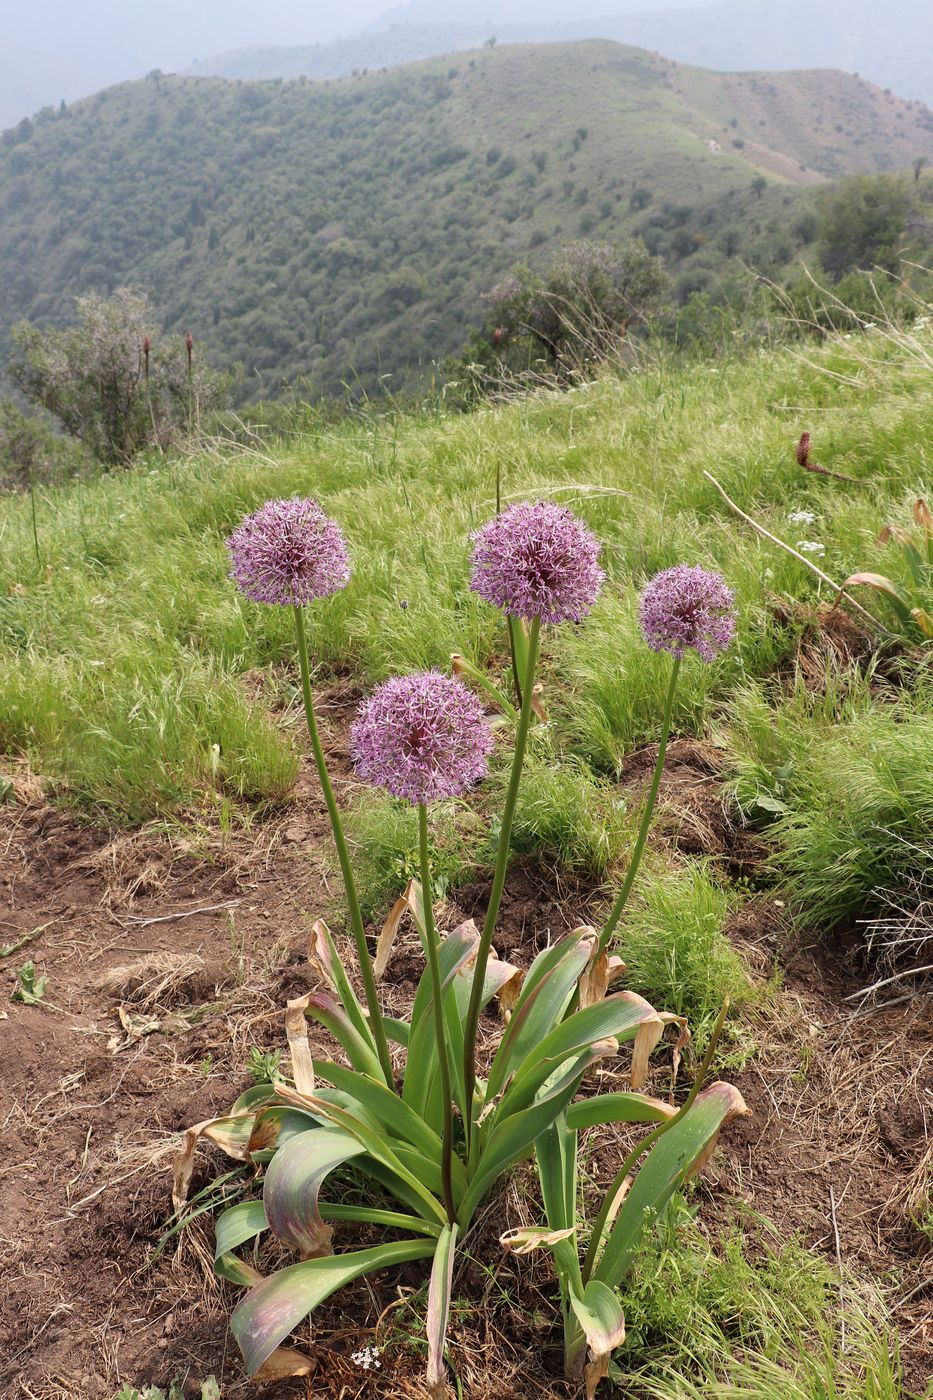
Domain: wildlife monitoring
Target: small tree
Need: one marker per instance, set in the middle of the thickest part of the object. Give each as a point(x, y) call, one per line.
point(107, 381)
point(861, 221)
point(583, 305)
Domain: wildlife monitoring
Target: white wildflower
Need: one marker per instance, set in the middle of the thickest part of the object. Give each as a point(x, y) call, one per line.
point(367, 1359)
point(811, 547)
point(801, 517)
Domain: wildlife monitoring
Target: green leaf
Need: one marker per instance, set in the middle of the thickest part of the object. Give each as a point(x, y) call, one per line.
point(421, 1068)
point(618, 1108)
point(325, 955)
point(616, 1017)
point(275, 1306)
point(397, 1116)
point(544, 998)
point(668, 1164)
point(237, 1225)
point(31, 985)
point(293, 1180)
point(600, 1314)
point(358, 1051)
point(439, 1311)
point(511, 1139)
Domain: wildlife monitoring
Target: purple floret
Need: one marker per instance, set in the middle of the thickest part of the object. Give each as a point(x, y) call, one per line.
point(688, 607)
point(537, 561)
point(288, 552)
point(421, 737)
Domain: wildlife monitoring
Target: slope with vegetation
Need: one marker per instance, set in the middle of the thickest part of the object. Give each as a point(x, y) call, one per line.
point(798, 808)
point(889, 46)
point(344, 232)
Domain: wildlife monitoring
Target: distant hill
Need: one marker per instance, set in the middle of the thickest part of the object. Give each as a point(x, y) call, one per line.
point(890, 44)
point(344, 231)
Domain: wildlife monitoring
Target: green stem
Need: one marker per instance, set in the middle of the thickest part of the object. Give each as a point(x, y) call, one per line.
point(35, 528)
point(498, 883)
point(649, 1141)
point(622, 898)
point(427, 898)
point(343, 853)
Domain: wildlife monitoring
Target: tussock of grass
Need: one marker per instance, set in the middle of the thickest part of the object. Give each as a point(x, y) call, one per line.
point(675, 951)
point(757, 1316)
point(848, 786)
point(384, 834)
point(567, 816)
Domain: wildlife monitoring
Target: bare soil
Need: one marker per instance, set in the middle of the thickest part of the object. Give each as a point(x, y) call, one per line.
point(200, 939)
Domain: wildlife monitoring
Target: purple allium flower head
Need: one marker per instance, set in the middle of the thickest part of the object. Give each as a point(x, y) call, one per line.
point(688, 607)
point(421, 737)
point(288, 552)
point(537, 561)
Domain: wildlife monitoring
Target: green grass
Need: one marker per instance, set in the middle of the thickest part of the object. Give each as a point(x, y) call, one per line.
point(122, 645)
point(756, 1316)
point(675, 951)
point(845, 786)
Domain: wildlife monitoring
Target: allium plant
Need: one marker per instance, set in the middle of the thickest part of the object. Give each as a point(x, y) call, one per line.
point(438, 1137)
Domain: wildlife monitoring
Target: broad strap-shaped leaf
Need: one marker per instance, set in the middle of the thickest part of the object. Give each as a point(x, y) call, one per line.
point(386, 940)
point(527, 1238)
point(399, 1119)
point(352, 1117)
point(299, 1047)
point(556, 1160)
point(421, 1068)
point(274, 1307)
point(231, 1133)
point(619, 1016)
point(619, 1107)
point(323, 954)
point(923, 620)
point(277, 1124)
point(600, 1314)
point(460, 666)
point(512, 1138)
point(881, 585)
point(293, 1180)
point(235, 1226)
point(442, 1271)
point(357, 1048)
point(546, 992)
point(668, 1163)
point(600, 972)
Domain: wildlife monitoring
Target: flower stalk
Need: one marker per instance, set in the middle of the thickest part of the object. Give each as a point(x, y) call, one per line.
point(498, 884)
point(645, 826)
point(343, 854)
point(443, 1057)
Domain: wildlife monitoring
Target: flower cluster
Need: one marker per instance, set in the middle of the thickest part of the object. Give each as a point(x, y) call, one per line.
point(288, 552)
point(537, 561)
point(688, 607)
point(421, 737)
point(367, 1358)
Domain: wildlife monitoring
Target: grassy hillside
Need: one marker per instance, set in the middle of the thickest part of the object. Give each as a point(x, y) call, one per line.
point(345, 231)
point(136, 684)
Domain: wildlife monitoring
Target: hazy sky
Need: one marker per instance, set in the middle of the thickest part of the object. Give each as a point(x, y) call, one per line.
point(50, 49)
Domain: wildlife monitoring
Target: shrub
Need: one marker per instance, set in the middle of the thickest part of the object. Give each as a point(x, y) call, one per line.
point(107, 385)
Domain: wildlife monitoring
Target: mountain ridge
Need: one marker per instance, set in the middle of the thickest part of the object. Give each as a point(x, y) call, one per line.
point(347, 230)
point(891, 49)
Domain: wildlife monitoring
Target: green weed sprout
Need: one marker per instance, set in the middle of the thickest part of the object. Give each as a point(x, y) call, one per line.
point(915, 607)
point(423, 1150)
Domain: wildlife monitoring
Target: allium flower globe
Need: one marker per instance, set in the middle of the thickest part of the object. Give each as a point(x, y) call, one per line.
point(288, 552)
point(421, 737)
point(537, 561)
point(688, 607)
